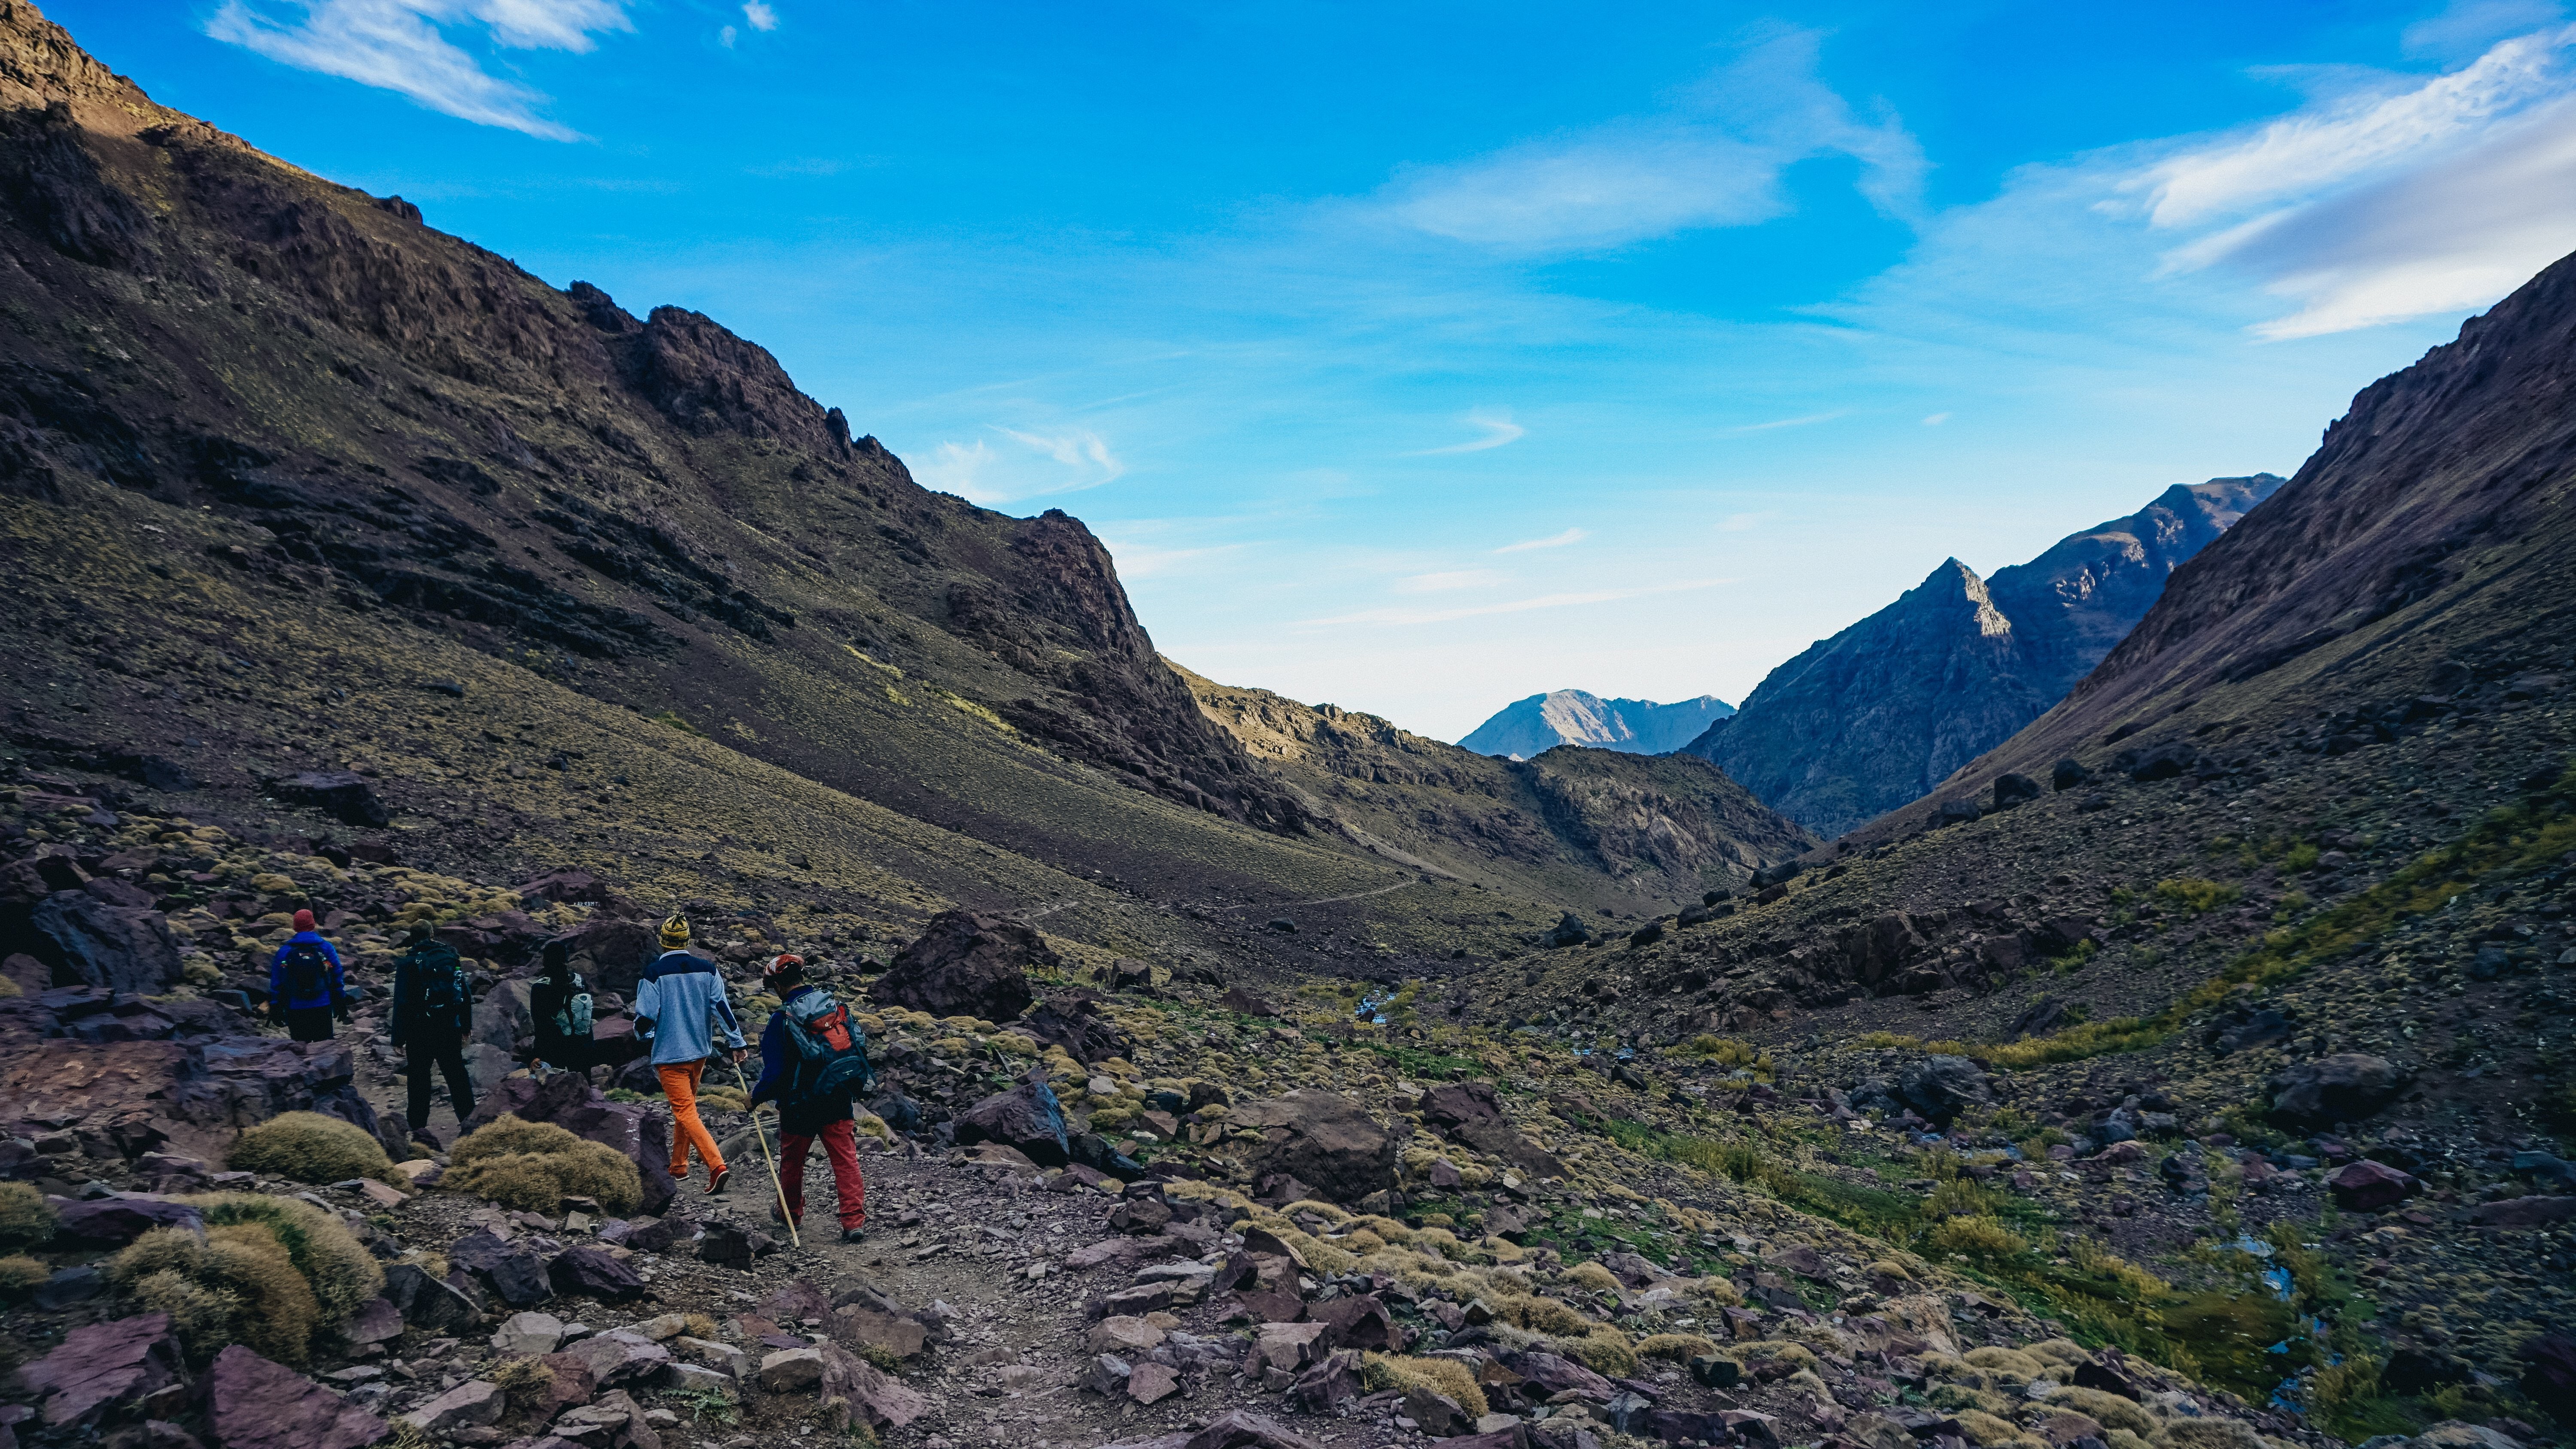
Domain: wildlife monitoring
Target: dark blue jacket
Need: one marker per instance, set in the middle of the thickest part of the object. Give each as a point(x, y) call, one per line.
point(331, 993)
point(782, 1067)
point(413, 1024)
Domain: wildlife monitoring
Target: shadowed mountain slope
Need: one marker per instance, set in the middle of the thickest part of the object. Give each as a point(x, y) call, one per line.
point(1876, 715)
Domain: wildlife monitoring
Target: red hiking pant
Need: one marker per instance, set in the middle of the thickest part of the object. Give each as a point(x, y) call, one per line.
point(841, 1145)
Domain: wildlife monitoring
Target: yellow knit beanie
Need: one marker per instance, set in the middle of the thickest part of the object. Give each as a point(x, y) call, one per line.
point(675, 931)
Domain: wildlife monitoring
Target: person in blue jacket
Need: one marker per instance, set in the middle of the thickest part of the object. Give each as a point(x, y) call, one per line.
point(680, 1003)
point(304, 986)
point(805, 1116)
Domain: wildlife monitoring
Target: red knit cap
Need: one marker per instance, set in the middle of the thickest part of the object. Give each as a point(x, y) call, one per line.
point(304, 920)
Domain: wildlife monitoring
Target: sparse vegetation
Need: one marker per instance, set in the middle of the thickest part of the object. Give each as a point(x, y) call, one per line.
point(534, 1166)
point(26, 1219)
point(310, 1147)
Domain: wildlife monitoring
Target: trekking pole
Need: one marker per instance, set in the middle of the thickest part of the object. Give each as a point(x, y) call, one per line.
point(774, 1184)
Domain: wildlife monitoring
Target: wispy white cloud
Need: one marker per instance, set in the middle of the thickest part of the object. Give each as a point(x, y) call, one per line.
point(1712, 160)
point(759, 16)
point(2397, 198)
point(1450, 582)
point(1515, 606)
point(1142, 561)
point(398, 45)
point(2466, 27)
point(1801, 421)
point(1936, 420)
point(1034, 465)
point(1554, 540)
point(1499, 429)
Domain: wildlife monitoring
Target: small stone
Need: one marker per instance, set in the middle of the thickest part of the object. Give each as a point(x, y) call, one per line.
point(1128, 1337)
point(724, 1358)
point(791, 1370)
point(528, 1334)
point(1151, 1383)
point(473, 1402)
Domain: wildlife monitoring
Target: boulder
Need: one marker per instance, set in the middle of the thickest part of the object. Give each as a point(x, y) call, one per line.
point(612, 1421)
point(2368, 1186)
point(1027, 1118)
point(1075, 1022)
point(611, 953)
point(1151, 1383)
point(1323, 1139)
point(792, 1371)
point(114, 1221)
point(2067, 774)
point(2345, 1087)
point(252, 1403)
point(2549, 1374)
point(503, 1016)
point(2523, 1212)
point(428, 1303)
point(470, 1404)
point(1327, 1384)
point(119, 947)
point(874, 1397)
point(2012, 791)
point(1435, 1413)
point(1942, 1087)
point(1104, 1374)
point(572, 1103)
point(617, 1357)
point(505, 1269)
point(573, 1385)
point(189, 1096)
point(1453, 1105)
point(528, 1335)
point(376, 1321)
point(591, 1273)
point(343, 795)
point(1357, 1321)
point(967, 964)
point(100, 1364)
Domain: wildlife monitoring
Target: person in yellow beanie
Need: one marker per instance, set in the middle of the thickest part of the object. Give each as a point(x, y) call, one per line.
point(680, 1004)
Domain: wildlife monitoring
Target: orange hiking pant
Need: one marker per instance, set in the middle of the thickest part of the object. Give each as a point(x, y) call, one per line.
point(680, 1085)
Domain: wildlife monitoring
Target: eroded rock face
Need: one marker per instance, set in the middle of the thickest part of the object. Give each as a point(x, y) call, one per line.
point(2345, 1087)
point(252, 1403)
point(123, 947)
point(1323, 1139)
point(192, 1094)
point(966, 964)
point(101, 1364)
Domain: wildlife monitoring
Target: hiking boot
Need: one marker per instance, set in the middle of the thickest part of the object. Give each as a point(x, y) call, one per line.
point(778, 1214)
point(854, 1235)
point(716, 1181)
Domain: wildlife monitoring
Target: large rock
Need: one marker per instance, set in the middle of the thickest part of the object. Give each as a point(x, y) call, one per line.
point(528, 1335)
point(471, 1404)
point(508, 1270)
point(1075, 1022)
point(190, 1096)
point(345, 796)
point(611, 953)
point(502, 1017)
point(2345, 1087)
point(873, 1397)
point(2367, 1186)
point(254, 1404)
point(967, 964)
point(428, 1303)
point(100, 1364)
point(590, 1273)
point(1453, 1105)
point(1027, 1117)
point(617, 1357)
point(1942, 1087)
point(121, 947)
point(2549, 1374)
point(1322, 1139)
point(114, 1221)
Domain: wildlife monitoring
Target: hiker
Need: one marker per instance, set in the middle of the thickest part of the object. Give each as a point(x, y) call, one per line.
point(680, 1004)
point(304, 986)
point(560, 1001)
point(813, 1062)
point(433, 1015)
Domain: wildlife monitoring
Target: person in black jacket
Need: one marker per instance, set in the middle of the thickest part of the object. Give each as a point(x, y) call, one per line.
point(433, 1014)
point(560, 1001)
point(804, 1115)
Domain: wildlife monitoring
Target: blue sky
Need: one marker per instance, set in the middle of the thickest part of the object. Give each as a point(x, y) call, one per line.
point(1421, 358)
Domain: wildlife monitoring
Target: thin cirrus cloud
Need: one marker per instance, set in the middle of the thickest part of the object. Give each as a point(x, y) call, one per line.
point(1026, 465)
point(1499, 429)
point(1514, 606)
point(1554, 540)
point(400, 46)
point(1450, 582)
point(2411, 196)
point(1712, 159)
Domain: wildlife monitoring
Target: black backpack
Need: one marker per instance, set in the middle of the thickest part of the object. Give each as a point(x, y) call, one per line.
point(441, 975)
point(307, 969)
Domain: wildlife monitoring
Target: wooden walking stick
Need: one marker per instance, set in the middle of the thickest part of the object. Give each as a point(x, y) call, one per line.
point(775, 1185)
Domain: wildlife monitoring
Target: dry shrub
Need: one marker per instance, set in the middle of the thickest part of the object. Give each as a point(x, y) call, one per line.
point(1592, 1278)
point(310, 1147)
point(1985, 1429)
point(235, 1285)
point(343, 1274)
point(2109, 1410)
point(1362, 1242)
point(2056, 1350)
point(525, 1380)
point(1769, 1350)
point(2011, 1362)
point(20, 1276)
point(1447, 1377)
point(26, 1220)
point(2212, 1432)
point(534, 1166)
point(1386, 1228)
point(1679, 1347)
point(1605, 1350)
point(1717, 1290)
point(1979, 1237)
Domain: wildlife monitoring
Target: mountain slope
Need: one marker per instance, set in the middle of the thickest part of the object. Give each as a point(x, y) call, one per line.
point(1876, 715)
point(1665, 830)
point(282, 469)
point(1525, 728)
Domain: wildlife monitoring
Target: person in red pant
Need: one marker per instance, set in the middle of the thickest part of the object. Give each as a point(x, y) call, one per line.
point(813, 1061)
